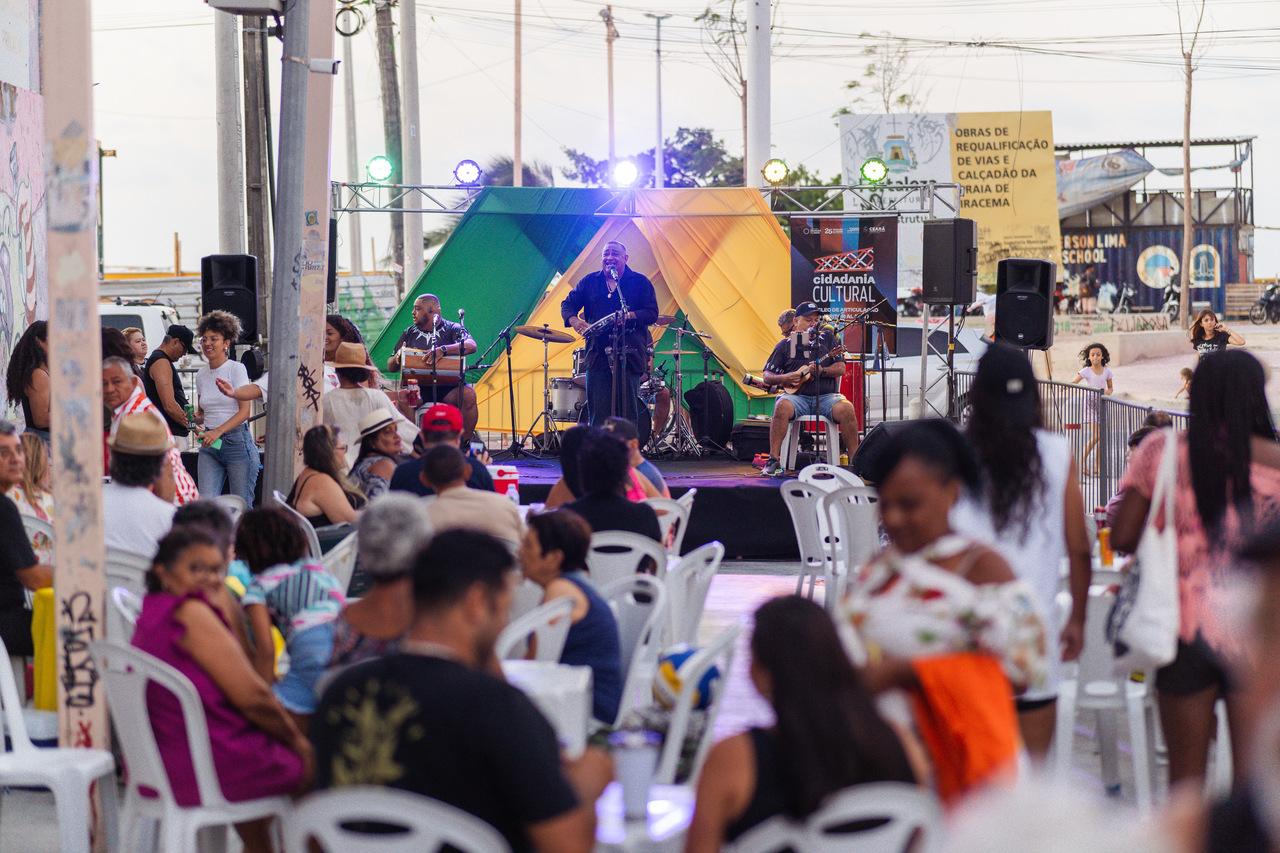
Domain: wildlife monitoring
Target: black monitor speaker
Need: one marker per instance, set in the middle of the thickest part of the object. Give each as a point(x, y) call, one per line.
point(950, 271)
point(331, 289)
point(230, 283)
point(1024, 302)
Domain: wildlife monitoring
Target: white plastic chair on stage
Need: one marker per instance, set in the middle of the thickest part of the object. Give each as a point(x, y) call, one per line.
point(618, 554)
point(852, 518)
point(313, 541)
point(639, 605)
point(341, 561)
point(810, 525)
point(907, 811)
point(672, 515)
point(688, 581)
point(791, 441)
point(126, 672)
point(828, 477)
point(547, 623)
point(720, 652)
point(68, 773)
point(123, 608)
point(327, 818)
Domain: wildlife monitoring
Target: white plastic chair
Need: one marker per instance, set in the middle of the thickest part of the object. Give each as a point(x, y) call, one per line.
point(906, 810)
point(35, 526)
point(67, 773)
point(548, 623)
point(313, 541)
point(791, 441)
point(341, 561)
point(618, 554)
point(128, 570)
point(828, 477)
point(527, 596)
point(126, 671)
point(233, 504)
point(672, 515)
point(686, 500)
point(325, 817)
point(1093, 687)
point(122, 614)
point(810, 525)
point(853, 536)
point(688, 580)
point(639, 605)
point(720, 652)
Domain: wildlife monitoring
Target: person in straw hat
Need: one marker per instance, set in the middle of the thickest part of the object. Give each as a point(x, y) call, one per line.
point(381, 450)
point(347, 405)
point(133, 518)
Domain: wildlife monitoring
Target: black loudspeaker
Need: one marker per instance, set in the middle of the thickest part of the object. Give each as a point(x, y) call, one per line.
point(710, 411)
point(950, 261)
point(331, 290)
point(868, 458)
point(230, 283)
point(1024, 302)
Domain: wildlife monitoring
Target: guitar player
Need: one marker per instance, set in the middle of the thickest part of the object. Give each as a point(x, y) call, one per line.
point(805, 361)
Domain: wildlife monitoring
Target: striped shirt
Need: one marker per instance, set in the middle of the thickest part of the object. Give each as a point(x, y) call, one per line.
point(139, 402)
point(298, 597)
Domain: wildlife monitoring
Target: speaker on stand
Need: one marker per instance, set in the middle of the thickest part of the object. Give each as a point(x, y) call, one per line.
point(1024, 302)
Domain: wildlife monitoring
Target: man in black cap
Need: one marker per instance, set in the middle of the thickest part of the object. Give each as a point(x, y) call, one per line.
point(161, 381)
point(805, 361)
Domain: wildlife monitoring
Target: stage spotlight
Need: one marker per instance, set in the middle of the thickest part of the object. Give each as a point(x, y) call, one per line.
point(625, 173)
point(775, 172)
point(873, 171)
point(467, 173)
point(379, 168)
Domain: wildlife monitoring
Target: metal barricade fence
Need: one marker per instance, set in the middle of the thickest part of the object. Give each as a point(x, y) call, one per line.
point(1121, 419)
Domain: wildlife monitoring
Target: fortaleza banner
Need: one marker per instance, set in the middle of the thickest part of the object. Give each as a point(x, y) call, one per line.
point(1003, 161)
point(849, 267)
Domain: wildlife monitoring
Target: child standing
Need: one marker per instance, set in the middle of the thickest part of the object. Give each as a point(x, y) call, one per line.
point(1095, 374)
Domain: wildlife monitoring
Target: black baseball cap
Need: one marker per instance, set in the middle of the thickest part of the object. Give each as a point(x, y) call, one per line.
point(806, 309)
point(182, 333)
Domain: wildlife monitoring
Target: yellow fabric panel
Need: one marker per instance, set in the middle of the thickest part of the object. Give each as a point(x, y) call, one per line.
point(719, 255)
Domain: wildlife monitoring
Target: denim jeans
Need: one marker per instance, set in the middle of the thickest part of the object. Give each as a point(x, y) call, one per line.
point(235, 463)
point(600, 395)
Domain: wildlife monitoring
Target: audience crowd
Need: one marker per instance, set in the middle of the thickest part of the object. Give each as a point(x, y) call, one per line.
point(939, 666)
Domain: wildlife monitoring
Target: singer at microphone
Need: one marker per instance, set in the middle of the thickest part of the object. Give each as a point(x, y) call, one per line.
point(439, 337)
point(614, 288)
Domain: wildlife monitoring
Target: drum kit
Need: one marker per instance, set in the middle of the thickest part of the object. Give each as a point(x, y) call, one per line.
point(564, 398)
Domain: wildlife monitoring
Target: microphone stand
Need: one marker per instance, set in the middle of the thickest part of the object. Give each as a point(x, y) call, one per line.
point(619, 357)
point(515, 448)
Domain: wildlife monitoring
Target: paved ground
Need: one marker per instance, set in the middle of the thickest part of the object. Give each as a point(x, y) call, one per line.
point(28, 823)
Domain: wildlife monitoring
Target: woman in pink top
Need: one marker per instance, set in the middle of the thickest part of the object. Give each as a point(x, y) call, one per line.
point(1228, 485)
point(257, 749)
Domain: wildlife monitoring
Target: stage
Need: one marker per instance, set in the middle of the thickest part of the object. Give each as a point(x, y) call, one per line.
point(734, 505)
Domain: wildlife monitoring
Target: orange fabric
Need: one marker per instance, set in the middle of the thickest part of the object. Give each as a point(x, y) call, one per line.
point(964, 710)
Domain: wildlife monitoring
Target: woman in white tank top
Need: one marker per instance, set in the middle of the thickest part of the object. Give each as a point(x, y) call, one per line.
point(1031, 511)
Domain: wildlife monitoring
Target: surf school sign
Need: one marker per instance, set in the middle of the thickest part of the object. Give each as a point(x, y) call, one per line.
point(848, 267)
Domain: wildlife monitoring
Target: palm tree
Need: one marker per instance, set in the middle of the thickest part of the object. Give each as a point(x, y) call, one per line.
point(499, 171)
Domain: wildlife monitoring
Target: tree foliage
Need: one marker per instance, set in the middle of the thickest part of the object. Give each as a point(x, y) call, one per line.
point(889, 81)
point(693, 158)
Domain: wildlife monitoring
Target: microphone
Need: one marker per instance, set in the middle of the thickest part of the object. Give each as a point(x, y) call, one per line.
point(462, 312)
point(613, 271)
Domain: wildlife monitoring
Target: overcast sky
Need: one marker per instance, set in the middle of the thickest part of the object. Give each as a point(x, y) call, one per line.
point(153, 64)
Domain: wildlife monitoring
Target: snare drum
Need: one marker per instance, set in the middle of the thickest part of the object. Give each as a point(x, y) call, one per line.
point(579, 361)
point(567, 399)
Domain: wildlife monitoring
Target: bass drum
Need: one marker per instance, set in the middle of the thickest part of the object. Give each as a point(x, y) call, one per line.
point(644, 421)
point(568, 400)
point(710, 411)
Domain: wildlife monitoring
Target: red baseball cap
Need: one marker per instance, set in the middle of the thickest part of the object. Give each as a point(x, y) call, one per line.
point(442, 417)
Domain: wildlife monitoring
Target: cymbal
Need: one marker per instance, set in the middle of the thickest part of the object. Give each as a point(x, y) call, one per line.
point(544, 333)
point(664, 320)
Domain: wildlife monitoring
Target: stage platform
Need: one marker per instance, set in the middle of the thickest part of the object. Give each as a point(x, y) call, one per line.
point(734, 505)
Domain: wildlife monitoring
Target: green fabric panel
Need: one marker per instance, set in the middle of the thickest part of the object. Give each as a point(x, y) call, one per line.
point(497, 262)
point(743, 406)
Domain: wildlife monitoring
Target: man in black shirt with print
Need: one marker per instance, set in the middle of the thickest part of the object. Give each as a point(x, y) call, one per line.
point(437, 719)
point(596, 296)
point(805, 358)
point(437, 336)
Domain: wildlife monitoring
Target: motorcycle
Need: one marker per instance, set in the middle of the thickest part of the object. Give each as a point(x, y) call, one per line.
point(1124, 302)
point(1267, 308)
point(911, 305)
point(1171, 298)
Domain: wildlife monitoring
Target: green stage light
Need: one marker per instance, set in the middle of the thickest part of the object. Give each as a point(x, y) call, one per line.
point(873, 171)
point(379, 168)
point(775, 172)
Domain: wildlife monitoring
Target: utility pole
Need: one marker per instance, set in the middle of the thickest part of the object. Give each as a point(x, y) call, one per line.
point(75, 358)
point(412, 139)
point(353, 157)
point(289, 258)
point(610, 36)
point(517, 159)
point(103, 153)
point(230, 170)
point(385, 36)
point(253, 38)
point(659, 160)
point(758, 91)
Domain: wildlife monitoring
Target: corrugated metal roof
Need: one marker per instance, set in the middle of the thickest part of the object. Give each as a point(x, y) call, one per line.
point(1151, 143)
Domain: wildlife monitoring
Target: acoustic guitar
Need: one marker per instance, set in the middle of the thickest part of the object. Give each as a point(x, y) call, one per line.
point(806, 372)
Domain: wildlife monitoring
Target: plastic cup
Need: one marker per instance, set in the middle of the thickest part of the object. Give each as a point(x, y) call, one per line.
point(635, 759)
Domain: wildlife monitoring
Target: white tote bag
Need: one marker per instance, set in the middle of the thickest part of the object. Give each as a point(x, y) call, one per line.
point(1143, 623)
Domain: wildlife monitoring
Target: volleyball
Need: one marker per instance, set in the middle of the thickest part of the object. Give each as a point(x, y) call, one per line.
point(669, 680)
